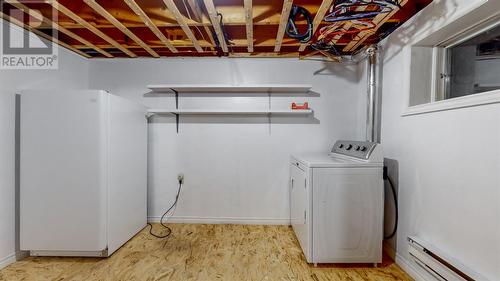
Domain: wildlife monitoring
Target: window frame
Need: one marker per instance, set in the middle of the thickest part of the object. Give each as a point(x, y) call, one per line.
point(440, 82)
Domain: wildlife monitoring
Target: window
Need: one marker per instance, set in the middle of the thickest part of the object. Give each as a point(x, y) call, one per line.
point(460, 72)
point(472, 66)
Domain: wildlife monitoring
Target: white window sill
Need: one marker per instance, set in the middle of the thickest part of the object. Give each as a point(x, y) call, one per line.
point(455, 103)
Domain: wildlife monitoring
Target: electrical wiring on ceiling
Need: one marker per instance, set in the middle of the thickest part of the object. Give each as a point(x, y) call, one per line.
point(292, 30)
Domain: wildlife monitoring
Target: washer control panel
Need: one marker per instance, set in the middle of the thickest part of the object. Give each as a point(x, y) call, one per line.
point(358, 149)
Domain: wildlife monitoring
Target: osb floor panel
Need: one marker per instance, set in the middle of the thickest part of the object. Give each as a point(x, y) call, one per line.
point(201, 252)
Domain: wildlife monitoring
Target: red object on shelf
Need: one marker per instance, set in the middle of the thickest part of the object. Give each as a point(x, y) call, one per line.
point(304, 105)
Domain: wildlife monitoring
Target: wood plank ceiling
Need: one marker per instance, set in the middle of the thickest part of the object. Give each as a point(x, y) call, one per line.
point(193, 28)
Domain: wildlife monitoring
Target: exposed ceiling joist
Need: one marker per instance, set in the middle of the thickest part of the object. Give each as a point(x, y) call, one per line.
point(184, 44)
point(379, 20)
point(103, 12)
point(345, 26)
point(62, 9)
point(180, 20)
point(41, 34)
point(255, 28)
point(320, 15)
point(285, 14)
point(249, 20)
point(337, 37)
point(150, 24)
point(59, 28)
point(214, 18)
point(264, 55)
point(199, 17)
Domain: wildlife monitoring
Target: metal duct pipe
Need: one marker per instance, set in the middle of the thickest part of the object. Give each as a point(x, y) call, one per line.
point(373, 105)
point(372, 122)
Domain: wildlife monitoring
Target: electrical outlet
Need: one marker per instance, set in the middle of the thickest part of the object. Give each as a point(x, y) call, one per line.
point(180, 178)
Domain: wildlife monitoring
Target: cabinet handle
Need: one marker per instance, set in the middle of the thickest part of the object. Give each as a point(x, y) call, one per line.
point(292, 183)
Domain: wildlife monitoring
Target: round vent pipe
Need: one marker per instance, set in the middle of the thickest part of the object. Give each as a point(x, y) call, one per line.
point(373, 101)
point(369, 53)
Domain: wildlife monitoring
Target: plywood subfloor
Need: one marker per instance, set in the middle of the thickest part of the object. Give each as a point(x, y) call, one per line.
point(201, 252)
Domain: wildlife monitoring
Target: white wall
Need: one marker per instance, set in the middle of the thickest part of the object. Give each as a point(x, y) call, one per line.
point(72, 73)
point(236, 168)
point(449, 161)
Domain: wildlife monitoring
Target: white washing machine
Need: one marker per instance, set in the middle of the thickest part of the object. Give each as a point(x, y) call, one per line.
point(337, 201)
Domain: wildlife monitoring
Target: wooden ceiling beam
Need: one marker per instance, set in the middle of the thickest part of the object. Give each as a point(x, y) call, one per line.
point(228, 22)
point(285, 14)
point(320, 15)
point(264, 55)
point(205, 44)
point(59, 28)
point(346, 25)
point(41, 34)
point(62, 9)
point(149, 23)
point(101, 11)
point(336, 38)
point(311, 54)
point(249, 23)
point(199, 17)
point(379, 20)
point(180, 20)
point(198, 13)
point(214, 18)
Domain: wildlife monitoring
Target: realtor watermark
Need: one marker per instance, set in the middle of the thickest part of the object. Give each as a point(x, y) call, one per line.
point(22, 49)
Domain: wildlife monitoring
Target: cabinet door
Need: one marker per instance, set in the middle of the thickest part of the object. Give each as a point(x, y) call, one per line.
point(348, 215)
point(299, 205)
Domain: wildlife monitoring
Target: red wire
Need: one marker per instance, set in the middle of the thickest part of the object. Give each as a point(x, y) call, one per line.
point(326, 33)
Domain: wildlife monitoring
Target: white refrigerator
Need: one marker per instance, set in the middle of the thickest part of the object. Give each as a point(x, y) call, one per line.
point(83, 172)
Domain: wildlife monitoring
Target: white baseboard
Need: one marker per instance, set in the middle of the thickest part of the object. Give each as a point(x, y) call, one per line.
point(221, 220)
point(12, 258)
point(7, 260)
point(412, 270)
point(22, 254)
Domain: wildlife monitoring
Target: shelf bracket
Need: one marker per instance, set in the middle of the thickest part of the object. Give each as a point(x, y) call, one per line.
point(177, 122)
point(177, 117)
point(176, 97)
point(269, 108)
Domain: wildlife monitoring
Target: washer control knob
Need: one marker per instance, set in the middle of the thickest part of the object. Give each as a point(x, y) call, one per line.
point(363, 148)
point(341, 145)
point(349, 147)
point(358, 148)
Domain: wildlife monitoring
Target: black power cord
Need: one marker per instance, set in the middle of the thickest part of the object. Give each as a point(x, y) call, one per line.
point(396, 209)
point(169, 230)
point(291, 28)
point(218, 45)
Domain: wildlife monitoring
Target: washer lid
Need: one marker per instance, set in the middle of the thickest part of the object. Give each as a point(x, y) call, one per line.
point(324, 160)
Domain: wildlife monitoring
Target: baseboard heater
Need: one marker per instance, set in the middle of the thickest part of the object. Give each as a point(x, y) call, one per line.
point(439, 265)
